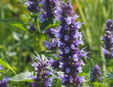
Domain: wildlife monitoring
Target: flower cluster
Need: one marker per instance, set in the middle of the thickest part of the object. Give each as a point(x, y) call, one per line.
point(49, 7)
point(4, 81)
point(108, 40)
point(42, 73)
point(33, 6)
point(69, 40)
point(96, 74)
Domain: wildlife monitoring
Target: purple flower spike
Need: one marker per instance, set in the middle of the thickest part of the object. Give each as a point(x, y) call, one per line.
point(69, 40)
point(42, 73)
point(4, 81)
point(96, 74)
point(108, 40)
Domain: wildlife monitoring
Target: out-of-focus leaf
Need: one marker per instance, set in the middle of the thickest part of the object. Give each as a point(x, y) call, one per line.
point(9, 20)
point(26, 76)
point(97, 84)
point(19, 25)
point(107, 77)
point(7, 65)
point(2, 47)
point(16, 37)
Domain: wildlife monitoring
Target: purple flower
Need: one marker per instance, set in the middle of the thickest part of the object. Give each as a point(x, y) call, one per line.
point(51, 45)
point(42, 73)
point(1, 67)
point(108, 40)
point(32, 28)
point(96, 74)
point(4, 81)
point(69, 40)
point(51, 32)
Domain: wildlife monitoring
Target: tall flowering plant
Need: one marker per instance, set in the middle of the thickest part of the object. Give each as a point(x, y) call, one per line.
point(65, 40)
point(70, 38)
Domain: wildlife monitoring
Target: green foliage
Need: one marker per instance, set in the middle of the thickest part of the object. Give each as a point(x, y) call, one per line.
point(26, 76)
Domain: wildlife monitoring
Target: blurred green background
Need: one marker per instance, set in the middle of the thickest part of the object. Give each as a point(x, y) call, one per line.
point(17, 45)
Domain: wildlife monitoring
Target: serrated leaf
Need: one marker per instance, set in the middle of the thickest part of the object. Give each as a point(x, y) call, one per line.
point(49, 24)
point(46, 23)
point(3, 63)
point(26, 76)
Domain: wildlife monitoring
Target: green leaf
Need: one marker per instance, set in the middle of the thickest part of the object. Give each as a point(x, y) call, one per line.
point(2, 71)
point(56, 83)
point(7, 65)
point(45, 24)
point(97, 84)
point(26, 76)
point(20, 26)
point(51, 26)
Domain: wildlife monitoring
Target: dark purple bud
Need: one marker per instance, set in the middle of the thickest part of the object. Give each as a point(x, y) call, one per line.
point(32, 6)
point(55, 64)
